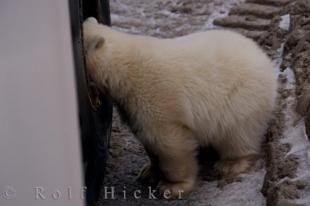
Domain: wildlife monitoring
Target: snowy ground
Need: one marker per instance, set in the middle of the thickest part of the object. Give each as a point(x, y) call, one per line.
point(170, 18)
point(167, 18)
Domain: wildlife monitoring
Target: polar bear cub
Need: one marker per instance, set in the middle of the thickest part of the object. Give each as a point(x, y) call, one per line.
point(211, 88)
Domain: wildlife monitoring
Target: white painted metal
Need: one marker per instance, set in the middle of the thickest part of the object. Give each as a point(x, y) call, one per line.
point(40, 161)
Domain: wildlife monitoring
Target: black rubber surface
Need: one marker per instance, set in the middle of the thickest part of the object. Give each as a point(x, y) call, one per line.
point(95, 123)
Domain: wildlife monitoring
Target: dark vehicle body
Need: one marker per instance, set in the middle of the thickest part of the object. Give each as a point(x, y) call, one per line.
point(95, 109)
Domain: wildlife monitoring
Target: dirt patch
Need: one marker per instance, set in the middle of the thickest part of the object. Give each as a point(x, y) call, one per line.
point(297, 55)
point(297, 47)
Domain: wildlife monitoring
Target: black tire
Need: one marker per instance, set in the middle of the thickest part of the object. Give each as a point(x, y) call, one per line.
point(95, 120)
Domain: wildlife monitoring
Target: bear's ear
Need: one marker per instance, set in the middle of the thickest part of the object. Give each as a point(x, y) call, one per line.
point(99, 42)
point(96, 43)
point(91, 20)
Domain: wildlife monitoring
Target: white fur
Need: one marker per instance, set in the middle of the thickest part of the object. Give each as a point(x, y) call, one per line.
point(215, 87)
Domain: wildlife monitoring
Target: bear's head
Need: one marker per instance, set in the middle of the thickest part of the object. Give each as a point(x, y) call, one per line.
point(93, 39)
point(108, 55)
point(94, 47)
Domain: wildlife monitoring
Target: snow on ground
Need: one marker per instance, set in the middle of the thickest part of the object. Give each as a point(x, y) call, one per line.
point(294, 132)
point(285, 22)
point(295, 135)
point(167, 18)
point(245, 192)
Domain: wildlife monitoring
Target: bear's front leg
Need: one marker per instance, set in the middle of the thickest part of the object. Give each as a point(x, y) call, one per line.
point(176, 151)
point(150, 174)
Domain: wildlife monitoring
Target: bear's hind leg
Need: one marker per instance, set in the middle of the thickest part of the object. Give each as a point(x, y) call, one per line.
point(150, 173)
point(238, 152)
point(230, 168)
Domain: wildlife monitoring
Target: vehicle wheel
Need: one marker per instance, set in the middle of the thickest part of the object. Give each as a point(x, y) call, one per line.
point(95, 109)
